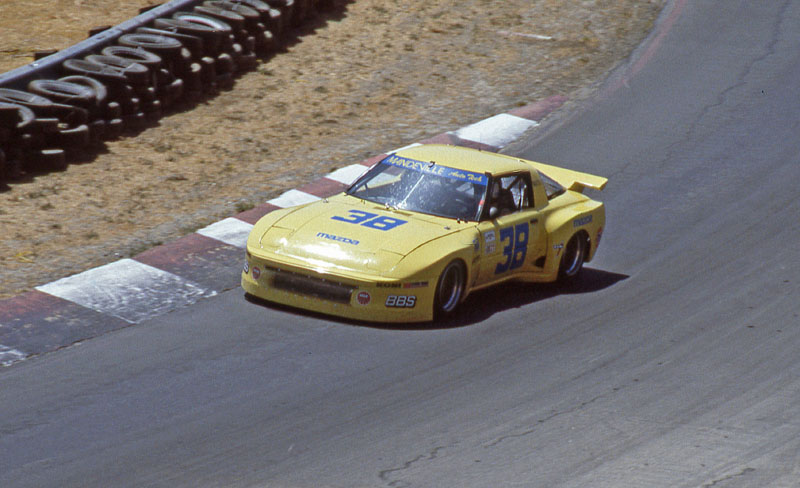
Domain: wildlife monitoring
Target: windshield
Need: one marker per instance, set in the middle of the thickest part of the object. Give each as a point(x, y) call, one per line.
point(429, 188)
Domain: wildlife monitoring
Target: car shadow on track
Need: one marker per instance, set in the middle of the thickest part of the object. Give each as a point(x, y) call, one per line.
point(485, 303)
point(482, 304)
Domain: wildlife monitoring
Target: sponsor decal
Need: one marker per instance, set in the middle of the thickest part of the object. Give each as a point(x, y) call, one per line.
point(558, 248)
point(332, 237)
point(246, 267)
point(256, 272)
point(476, 245)
point(363, 298)
point(490, 238)
point(416, 284)
point(582, 221)
point(401, 301)
point(435, 169)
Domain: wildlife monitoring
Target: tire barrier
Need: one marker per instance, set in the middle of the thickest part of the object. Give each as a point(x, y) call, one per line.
point(66, 104)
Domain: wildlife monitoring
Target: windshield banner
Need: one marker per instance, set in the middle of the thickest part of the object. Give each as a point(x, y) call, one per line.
point(435, 169)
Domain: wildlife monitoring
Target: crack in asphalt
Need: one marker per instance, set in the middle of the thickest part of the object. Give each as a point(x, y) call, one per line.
point(744, 74)
point(692, 129)
point(386, 473)
point(741, 473)
point(555, 414)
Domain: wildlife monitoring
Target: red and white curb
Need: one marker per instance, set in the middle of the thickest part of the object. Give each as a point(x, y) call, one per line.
point(127, 289)
point(8, 356)
point(196, 266)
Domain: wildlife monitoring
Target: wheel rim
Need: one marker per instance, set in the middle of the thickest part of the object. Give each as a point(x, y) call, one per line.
point(450, 287)
point(573, 256)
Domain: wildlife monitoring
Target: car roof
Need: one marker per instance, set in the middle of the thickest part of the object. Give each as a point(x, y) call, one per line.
point(464, 158)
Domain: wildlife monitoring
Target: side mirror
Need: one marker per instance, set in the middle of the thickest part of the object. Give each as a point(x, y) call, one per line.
point(493, 212)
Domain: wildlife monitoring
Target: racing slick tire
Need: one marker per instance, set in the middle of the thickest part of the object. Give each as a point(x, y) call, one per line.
point(193, 43)
point(573, 258)
point(166, 48)
point(44, 160)
point(449, 290)
point(9, 115)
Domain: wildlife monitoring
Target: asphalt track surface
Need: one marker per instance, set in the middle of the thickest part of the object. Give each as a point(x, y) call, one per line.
point(674, 363)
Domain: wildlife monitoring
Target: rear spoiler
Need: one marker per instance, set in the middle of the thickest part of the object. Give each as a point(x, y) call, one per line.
point(569, 179)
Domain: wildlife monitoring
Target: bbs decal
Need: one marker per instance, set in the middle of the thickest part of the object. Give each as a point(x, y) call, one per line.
point(401, 301)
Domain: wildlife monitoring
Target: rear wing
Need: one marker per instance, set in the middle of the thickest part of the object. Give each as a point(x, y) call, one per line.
point(569, 179)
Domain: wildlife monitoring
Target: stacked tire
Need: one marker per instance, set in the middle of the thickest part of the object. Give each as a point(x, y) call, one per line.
point(174, 60)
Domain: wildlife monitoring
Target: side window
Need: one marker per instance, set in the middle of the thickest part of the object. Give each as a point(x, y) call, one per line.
point(521, 190)
point(511, 193)
point(551, 186)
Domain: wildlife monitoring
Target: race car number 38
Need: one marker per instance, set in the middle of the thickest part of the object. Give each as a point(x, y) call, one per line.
point(371, 220)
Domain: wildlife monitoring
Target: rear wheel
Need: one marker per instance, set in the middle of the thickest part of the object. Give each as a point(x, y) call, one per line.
point(449, 289)
point(573, 258)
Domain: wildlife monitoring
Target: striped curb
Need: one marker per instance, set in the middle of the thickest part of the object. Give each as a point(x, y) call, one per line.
point(196, 266)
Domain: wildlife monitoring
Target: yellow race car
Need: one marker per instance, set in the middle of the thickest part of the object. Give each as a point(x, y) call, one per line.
point(421, 230)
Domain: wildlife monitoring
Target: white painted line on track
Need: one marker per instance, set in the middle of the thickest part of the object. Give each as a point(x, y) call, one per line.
point(292, 198)
point(127, 289)
point(230, 231)
point(497, 131)
point(347, 175)
point(8, 355)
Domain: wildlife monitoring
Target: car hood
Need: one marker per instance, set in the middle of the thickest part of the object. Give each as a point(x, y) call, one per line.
point(350, 234)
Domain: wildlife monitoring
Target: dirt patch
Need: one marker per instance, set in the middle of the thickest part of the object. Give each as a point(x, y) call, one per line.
point(29, 26)
point(362, 77)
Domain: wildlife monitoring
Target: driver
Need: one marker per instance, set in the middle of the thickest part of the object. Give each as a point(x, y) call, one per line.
point(503, 199)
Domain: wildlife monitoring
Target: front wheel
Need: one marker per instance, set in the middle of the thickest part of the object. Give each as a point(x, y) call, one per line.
point(572, 259)
point(449, 290)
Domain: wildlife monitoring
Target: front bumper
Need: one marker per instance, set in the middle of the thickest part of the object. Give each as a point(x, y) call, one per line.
point(366, 298)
